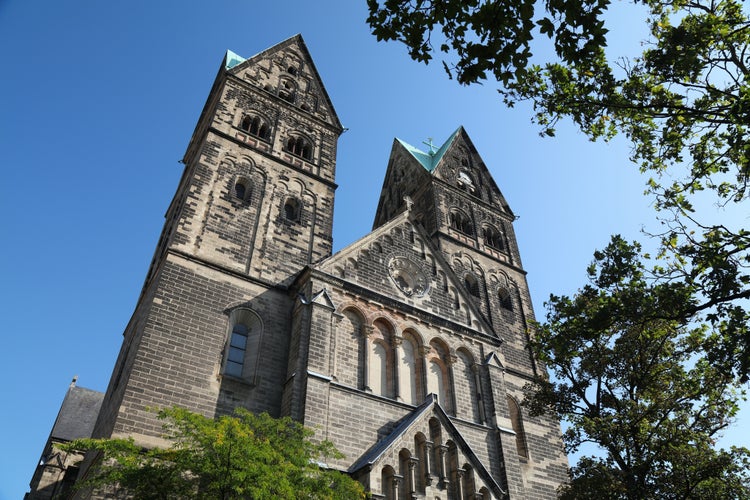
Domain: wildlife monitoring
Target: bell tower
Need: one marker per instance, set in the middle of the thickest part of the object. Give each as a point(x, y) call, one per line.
point(254, 206)
point(461, 207)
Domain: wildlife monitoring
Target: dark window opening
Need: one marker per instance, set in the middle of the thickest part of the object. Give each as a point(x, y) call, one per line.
point(255, 126)
point(472, 285)
point(493, 238)
point(291, 210)
point(299, 147)
point(286, 91)
point(505, 301)
point(240, 190)
point(460, 222)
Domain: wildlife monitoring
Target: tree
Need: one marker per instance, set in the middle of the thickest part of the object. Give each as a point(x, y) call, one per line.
point(683, 101)
point(245, 456)
point(632, 381)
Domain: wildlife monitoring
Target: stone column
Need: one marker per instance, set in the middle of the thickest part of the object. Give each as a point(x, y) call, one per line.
point(396, 493)
point(412, 483)
point(397, 341)
point(460, 483)
point(443, 464)
point(429, 464)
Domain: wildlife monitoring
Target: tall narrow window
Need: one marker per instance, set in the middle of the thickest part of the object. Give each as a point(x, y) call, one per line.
point(237, 350)
point(407, 373)
point(243, 345)
point(517, 422)
point(505, 301)
point(378, 373)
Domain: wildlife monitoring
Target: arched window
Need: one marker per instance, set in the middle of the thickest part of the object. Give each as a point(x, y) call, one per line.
point(409, 374)
point(380, 360)
point(291, 210)
point(436, 382)
point(242, 189)
point(472, 285)
point(299, 146)
point(350, 339)
point(493, 238)
point(460, 222)
point(438, 376)
point(406, 471)
point(505, 301)
point(255, 125)
point(390, 483)
point(469, 486)
point(516, 421)
point(243, 345)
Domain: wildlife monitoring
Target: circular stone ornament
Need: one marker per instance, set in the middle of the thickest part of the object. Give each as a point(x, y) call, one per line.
point(408, 276)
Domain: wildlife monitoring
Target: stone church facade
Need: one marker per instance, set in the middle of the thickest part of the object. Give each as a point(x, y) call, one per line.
point(406, 349)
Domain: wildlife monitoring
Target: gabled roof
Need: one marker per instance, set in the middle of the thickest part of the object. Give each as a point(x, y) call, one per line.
point(430, 159)
point(360, 249)
point(234, 63)
point(430, 406)
point(78, 414)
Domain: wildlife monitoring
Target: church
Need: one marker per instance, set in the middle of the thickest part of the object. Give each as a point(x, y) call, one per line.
point(407, 349)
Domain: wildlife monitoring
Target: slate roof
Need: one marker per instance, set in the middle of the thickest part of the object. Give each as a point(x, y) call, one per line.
point(78, 414)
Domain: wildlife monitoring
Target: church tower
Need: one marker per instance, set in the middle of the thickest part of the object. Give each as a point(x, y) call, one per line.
point(407, 349)
point(253, 207)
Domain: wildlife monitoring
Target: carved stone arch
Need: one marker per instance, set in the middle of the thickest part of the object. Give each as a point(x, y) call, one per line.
point(411, 366)
point(380, 357)
point(255, 121)
point(301, 144)
point(351, 337)
point(460, 220)
point(387, 240)
point(439, 375)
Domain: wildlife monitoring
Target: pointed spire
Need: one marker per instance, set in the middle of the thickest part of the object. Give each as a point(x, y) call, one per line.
point(430, 159)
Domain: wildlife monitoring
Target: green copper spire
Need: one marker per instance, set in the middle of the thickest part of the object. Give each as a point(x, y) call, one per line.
point(430, 159)
point(232, 60)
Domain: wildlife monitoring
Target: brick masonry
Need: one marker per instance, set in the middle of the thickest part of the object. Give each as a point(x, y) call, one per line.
point(350, 344)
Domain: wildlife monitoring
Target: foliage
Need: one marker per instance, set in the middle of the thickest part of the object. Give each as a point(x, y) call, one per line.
point(245, 456)
point(631, 380)
point(683, 101)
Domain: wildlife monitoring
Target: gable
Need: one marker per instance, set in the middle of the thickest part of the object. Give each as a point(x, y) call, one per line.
point(427, 439)
point(286, 70)
point(458, 163)
point(398, 261)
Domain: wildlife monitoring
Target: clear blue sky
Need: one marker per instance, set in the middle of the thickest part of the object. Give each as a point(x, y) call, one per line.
point(97, 103)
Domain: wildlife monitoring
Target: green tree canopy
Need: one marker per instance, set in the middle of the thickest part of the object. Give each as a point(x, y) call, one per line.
point(632, 381)
point(245, 456)
point(683, 101)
